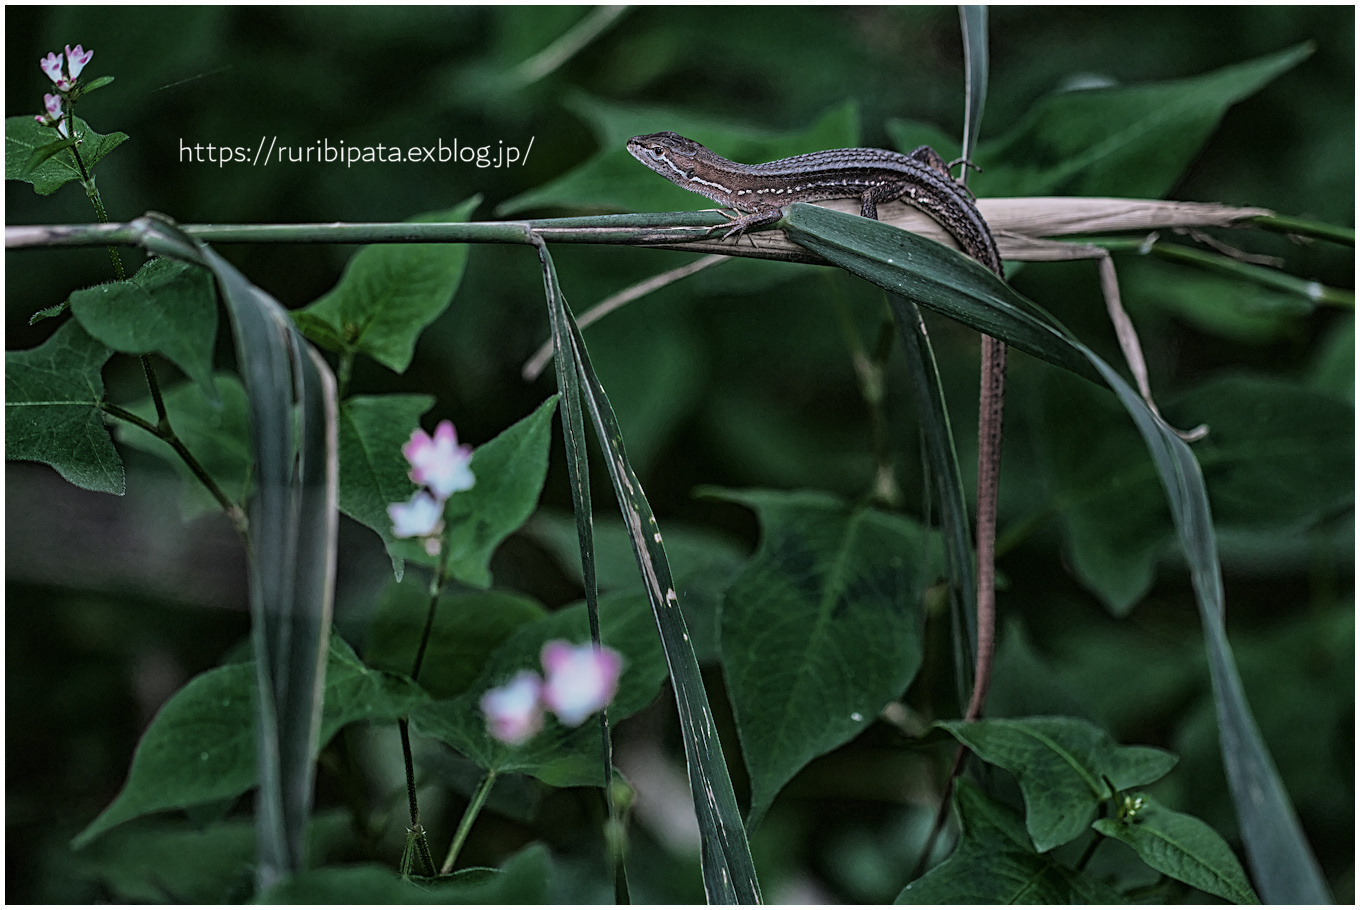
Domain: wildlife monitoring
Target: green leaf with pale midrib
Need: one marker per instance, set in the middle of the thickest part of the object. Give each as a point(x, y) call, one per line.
point(1182, 847)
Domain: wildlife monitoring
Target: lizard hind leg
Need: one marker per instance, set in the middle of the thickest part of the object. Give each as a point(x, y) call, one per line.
point(931, 159)
point(887, 192)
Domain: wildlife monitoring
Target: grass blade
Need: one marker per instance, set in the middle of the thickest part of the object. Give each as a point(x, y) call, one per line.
point(729, 873)
point(578, 470)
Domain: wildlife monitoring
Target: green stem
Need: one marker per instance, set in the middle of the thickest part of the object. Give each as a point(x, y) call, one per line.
point(163, 432)
point(92, 193)
point(469, 816)
point(422, 842)
point(941, 814)
point(154, 383)
point(1089, 852)
point(1304, 227)
point(436, 587)
point(1312, 291)
point(342, 374)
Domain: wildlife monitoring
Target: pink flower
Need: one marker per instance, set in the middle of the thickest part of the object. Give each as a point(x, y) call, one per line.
point(55, 116)
point(580, 680)
point(439, 463)
point(51, 65)
point(76, 60)
point(421, 516)
point(513, 711)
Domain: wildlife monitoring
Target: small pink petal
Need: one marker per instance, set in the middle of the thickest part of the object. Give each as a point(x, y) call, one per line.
point(76, 59)
point(445, 436)
point(417, 447)
point(53, 105)
point(51, 65)
point(513, 711)
point(580, 680)
point(420, 516)
point(439, 463)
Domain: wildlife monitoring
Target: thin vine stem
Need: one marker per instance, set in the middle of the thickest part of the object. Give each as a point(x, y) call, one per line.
point(163, 432)
point(92, 193)
point(422, 841)
point(436, 588)
point(470, 814)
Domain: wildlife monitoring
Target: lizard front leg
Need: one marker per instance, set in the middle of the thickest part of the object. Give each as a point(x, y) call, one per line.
point(749, 222)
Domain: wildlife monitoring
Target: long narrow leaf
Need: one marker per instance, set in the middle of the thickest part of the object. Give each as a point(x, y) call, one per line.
point(934, 276)
point(943, 463)
point(729, 873)
point(975, 64)
point(293, 523)
point(1283, 864)
point(1285, 869)
point(578, 470)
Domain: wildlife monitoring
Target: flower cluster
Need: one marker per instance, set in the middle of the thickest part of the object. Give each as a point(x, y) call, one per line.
point(441, 467)
point(580, 681)
point(64, 78)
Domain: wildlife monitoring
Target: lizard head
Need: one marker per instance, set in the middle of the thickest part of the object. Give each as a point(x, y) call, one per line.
point(669, 154)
